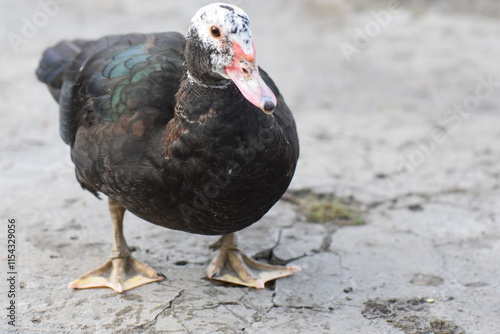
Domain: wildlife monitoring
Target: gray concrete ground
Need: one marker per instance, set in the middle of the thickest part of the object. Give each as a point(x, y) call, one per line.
point(407, 129)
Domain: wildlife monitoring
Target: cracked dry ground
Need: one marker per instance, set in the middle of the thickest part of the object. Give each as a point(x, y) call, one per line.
point(423, 258)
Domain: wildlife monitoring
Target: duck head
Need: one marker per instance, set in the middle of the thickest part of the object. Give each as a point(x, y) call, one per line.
point(219, 48)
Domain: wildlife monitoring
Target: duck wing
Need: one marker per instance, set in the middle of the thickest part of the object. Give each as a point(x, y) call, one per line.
point(99, 81)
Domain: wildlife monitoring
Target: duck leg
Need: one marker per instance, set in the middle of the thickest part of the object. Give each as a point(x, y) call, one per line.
point(231, 265)
point(121, 272)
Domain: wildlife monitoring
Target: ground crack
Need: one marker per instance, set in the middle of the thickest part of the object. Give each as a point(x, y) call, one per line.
point(426, 197)
point(269, 256)
point(258, 316)
point(143, 327)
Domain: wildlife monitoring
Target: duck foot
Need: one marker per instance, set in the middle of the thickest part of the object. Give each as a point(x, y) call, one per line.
point(231, 265)
point(119, 274)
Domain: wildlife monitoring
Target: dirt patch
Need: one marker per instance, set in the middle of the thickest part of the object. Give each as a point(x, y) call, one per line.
point(412, 316)
point(327, 208)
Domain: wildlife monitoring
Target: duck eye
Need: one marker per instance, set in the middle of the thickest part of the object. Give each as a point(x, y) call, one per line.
point(214, 31)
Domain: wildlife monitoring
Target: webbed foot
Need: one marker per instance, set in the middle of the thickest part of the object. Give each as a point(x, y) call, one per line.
point(231, 265)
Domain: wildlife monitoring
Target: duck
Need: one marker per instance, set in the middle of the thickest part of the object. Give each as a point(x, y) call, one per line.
point(184, 131)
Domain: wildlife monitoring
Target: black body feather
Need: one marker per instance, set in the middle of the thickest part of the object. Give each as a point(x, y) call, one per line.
point(200, 160)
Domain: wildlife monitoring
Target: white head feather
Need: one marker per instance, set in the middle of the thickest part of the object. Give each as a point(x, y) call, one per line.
point(234, 26)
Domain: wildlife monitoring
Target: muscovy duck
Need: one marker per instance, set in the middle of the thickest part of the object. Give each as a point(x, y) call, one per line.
point(186, 132)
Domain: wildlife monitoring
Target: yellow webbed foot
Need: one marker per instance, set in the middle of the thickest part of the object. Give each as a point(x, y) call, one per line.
point(119, 274)
point(231, 265)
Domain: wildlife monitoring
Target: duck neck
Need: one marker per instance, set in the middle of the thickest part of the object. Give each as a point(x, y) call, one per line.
point(196, 98)
point(221, 84)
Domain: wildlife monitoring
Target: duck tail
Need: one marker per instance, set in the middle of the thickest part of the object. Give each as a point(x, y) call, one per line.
point(54, 62)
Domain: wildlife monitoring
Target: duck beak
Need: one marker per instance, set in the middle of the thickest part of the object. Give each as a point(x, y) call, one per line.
point(244, 72)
